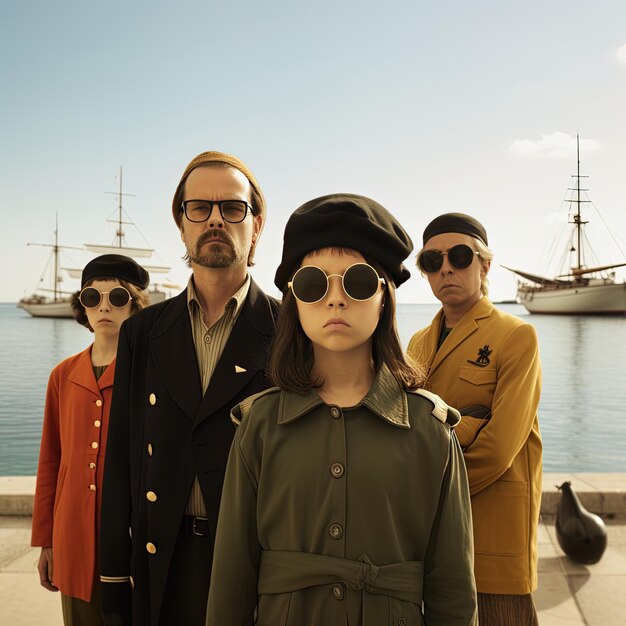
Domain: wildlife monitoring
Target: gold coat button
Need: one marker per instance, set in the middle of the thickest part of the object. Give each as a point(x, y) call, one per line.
point(132, 582)
point(335, 412)
point(149, 449)
point(336, 470)
point(94, 444)
point(130, 532)
point(98, 402)
point(92, 487)
point(151, 496)
point(335, 531)
point(152, 399)
point(151, 548)
point(97, 424)
point(338, 592)
point(92, 466)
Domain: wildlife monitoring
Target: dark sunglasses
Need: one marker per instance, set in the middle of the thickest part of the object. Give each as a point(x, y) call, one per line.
point(460, 257)
point(232, 211)
point(310, 283)
point(90, 297)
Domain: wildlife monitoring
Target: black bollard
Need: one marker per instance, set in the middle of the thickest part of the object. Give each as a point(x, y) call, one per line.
point(581, 534)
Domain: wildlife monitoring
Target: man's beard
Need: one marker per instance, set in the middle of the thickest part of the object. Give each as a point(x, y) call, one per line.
point(217, 256)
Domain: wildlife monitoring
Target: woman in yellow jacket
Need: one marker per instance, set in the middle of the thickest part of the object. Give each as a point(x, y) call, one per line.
point(66, 514)
point(486, 364)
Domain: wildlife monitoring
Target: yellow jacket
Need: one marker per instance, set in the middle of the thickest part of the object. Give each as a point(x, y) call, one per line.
point(491, 359)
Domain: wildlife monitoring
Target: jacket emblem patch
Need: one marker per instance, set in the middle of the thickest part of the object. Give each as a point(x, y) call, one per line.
point(482, 360)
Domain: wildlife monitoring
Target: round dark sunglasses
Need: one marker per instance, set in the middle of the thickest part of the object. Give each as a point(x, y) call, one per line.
point(460, 257)
point(360, 282)
point(90, 297)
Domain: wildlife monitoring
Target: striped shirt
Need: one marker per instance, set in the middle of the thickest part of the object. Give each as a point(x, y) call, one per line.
point(209, 344)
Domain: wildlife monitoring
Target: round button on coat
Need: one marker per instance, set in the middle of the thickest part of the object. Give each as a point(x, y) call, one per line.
point(151, 496)
point(338, 592)
point(149, 449)
point(336, 470)
point(336, 531)
point(151, 548)
point(98, 402)
point(152, 399)
point(97, 424)
point(92, 487)
point(94, 444)
point(335, 412)
point(92, 466)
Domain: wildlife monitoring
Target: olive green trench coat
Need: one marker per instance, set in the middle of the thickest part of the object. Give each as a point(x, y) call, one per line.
point(334, 515)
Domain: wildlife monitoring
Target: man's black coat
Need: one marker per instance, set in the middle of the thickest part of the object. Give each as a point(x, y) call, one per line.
point(162, 433)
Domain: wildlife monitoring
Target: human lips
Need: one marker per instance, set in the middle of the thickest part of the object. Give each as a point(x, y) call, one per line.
point(335, 322)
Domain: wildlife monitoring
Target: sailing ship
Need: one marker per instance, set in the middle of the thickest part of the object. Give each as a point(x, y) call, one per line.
point(53, 302)
point(59, 305)
point(583, 290)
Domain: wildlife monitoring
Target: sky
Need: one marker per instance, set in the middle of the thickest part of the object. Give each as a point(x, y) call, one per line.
point(427, 107)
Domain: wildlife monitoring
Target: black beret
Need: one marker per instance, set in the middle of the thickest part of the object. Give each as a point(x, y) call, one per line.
point(116, 266)
point(455, 223)
point(348, 221)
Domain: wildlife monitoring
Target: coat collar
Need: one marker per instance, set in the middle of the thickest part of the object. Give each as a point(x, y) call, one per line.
point(385, 399)
point(174, 353)
point(82, 373)
point(467, 325)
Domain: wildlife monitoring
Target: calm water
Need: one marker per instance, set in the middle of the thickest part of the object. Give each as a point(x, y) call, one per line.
point(582, 412)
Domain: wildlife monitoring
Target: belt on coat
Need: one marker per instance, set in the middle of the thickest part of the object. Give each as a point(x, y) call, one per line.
point(283, 572)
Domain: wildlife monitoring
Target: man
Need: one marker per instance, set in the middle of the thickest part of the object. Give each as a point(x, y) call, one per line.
point(180, 367)
point(486, 363)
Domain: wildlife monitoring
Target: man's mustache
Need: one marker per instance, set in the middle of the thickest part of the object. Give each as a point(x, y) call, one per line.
point(214, 234)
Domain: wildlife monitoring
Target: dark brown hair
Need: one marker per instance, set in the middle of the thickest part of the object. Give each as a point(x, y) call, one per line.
point(140, 300)
point(291, 360)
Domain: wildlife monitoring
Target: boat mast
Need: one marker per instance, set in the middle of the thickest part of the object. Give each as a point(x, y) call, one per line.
point(577, 218)
point(55, 252)
point(119, 233)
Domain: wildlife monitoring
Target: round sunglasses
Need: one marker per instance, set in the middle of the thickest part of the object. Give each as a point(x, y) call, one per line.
point(119, 297)
point(310, 283)
point(460, 257)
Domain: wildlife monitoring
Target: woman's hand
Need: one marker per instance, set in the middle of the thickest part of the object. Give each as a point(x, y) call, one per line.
point(45, 569)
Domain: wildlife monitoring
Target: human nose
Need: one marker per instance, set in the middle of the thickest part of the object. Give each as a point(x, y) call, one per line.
point(336, 296)
point(446, 266)
point(105, 305)
point(215, 219)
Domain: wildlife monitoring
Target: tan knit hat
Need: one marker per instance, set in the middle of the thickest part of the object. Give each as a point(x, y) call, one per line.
point(258, 200)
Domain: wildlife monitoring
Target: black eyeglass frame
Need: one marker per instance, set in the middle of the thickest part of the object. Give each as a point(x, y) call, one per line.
point(343, 286)
point(248, 206)
point(102, 294)
point(451, 260)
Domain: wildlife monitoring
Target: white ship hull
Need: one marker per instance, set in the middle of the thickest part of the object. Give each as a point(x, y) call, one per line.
point(60, 309)
point(606, 298)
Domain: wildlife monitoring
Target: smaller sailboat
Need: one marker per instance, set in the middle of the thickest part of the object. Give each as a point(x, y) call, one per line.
point(583, 290)
point(50, 301)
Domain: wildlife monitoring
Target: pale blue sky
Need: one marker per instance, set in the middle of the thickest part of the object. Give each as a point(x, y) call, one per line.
point(427, 107)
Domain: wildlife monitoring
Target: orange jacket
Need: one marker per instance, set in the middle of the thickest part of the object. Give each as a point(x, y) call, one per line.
point(66, 513)
point(491, 359)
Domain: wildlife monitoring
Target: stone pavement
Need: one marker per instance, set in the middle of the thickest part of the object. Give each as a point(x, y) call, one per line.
point(569, 594)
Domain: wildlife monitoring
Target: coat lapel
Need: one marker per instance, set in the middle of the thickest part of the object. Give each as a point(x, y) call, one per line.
point(171, 343)
point(244, 354)
point(467, 326)
point(82, 373)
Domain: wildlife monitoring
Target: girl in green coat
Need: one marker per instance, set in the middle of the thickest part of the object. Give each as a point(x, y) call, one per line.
point(346, 498)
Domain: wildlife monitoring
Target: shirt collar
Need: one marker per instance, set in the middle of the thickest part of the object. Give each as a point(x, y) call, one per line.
point(234, 304)
point(385, 399)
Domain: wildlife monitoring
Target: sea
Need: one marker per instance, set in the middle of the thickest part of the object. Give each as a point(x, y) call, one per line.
point(582, 413)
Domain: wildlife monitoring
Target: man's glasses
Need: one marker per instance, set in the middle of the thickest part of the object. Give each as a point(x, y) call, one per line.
point(460, 257)
point(232, 211)
point(90, 297)
point(310, 283)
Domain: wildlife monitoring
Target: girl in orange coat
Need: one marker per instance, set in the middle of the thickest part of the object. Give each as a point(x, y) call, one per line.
point(66, 512)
